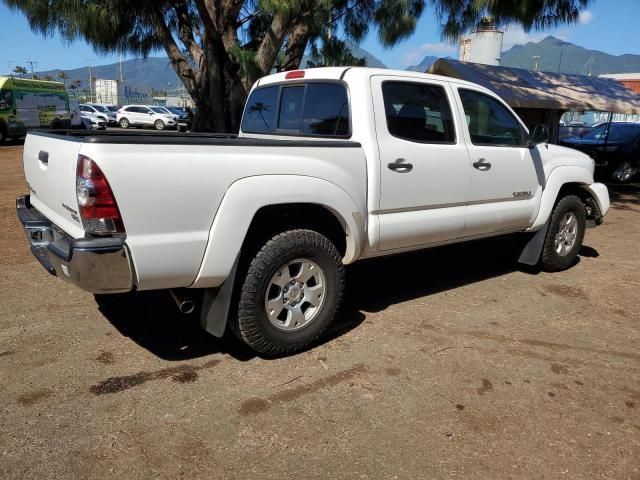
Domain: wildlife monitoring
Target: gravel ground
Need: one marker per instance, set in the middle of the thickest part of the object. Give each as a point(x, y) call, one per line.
point(451, 363)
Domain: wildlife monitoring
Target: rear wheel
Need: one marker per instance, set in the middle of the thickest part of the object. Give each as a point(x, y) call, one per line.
point(565, 234)
point(124, 123)
point(622, 172)
point(159, 125)
point(291, 293)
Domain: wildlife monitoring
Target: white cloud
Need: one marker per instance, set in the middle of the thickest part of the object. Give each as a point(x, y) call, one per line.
point(415, 55)
point(515, 35)
point(586, 16)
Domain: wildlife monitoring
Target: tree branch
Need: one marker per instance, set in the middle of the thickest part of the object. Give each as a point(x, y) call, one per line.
point(271, 43)
point(185, 32)
point(179, 63)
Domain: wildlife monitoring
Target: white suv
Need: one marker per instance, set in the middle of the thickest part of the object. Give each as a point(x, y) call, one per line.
point(98, 112)
point(145, 116)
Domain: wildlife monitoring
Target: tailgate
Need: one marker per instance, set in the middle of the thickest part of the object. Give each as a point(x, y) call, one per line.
point(50, 169)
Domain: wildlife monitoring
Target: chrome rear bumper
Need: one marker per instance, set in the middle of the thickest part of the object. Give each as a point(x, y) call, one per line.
point(99, 265)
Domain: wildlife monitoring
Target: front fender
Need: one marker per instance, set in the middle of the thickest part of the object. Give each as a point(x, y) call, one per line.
point(558, 177)
point(248, 195)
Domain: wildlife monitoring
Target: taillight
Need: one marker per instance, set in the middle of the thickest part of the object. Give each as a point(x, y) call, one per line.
point(98, 208)
point(294, 74)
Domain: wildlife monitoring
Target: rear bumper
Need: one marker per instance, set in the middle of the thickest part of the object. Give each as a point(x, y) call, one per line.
point(99, 265)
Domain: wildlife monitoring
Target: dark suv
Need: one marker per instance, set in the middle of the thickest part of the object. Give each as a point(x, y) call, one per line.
point(615, 147)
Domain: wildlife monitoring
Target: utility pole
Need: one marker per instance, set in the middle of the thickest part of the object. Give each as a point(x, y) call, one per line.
point(31, 63)
point(90, 82)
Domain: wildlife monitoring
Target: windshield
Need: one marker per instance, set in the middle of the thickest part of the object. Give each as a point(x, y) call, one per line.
point(112, 108)
point(158, 110)
point(100, 108)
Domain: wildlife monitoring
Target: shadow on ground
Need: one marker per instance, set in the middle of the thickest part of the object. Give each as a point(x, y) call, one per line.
point(624, 195)
point(151, 319)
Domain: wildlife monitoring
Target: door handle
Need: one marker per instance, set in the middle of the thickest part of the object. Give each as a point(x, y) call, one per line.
point(482, 165)
point(399, 166)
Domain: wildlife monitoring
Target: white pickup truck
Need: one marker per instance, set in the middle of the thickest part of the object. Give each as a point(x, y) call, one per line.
point(332, 165)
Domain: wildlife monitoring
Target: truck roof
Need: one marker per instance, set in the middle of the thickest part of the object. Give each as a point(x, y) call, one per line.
point(339, 73)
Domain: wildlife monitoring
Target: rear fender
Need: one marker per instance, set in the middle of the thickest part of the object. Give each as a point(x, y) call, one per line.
point(246, 196)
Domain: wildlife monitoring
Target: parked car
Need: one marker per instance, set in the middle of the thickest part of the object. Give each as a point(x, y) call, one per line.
point(144, 116)
point(93, 123)
point(109, 110)
point(184, 122)
point(331, 166)
point(98, 111)
point(615, 149)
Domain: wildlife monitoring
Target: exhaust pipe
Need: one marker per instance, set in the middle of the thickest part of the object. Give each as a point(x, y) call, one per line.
point(185, 305)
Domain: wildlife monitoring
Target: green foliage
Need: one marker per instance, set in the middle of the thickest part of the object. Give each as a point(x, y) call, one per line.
point(21, 71)
point(219, 48)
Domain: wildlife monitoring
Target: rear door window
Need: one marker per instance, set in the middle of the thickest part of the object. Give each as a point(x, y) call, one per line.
point(418, 112)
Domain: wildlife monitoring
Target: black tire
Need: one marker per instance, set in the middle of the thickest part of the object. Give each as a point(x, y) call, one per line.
point(252, 323)
point(124, 123)
point(622, 172)
point(550, 259)
point(158, 125)
point(3, 136)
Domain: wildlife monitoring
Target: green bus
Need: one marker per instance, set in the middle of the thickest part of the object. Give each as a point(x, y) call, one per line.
point(26, 103)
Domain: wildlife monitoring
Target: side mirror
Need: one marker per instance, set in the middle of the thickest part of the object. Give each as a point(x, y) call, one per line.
point(539, 134)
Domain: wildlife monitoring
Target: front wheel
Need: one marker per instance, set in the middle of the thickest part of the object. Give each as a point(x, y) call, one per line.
point(159, 125)
point(622, 172)
point(124, 123)
point(291, 293)
point(565, 234)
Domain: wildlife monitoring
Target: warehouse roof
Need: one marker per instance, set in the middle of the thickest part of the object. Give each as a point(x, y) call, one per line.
point(526, 89)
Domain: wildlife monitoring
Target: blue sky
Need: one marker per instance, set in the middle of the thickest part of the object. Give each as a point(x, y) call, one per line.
point(607, 25)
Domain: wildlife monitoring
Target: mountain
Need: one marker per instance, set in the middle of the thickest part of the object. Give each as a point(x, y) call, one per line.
point(424, 65)
point(575, 59)
point(141, 73)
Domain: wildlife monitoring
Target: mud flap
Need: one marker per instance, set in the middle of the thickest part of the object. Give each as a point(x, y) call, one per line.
point(215, 304)
point(533, 249)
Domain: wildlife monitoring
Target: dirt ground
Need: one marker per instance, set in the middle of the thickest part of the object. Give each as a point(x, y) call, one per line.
point(452, 363)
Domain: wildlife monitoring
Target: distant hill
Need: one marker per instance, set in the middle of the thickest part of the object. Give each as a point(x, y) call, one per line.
point(140, 73)
point(424, 65)
point(575, 59)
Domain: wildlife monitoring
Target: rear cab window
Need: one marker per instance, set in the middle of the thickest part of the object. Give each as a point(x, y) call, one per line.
point(313, 109)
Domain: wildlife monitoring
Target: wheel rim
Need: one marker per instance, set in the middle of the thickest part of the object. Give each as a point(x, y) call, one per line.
point(159, 125)
point(567, 234)
point(295, 294)
point(124, 123)
point(623, 172)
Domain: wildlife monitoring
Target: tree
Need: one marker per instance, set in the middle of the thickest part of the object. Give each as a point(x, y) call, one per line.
point(48, 78)
point(219, 48)
point(74, 86)
point(64, 77)
point(20, 71)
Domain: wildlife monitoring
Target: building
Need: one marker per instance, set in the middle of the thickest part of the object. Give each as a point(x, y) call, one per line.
point(108, 91)
point(484, 45)
point(543, 97)
point(629, 80)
